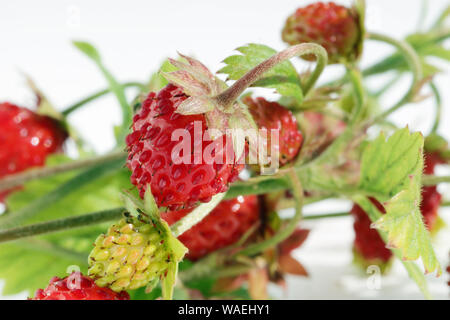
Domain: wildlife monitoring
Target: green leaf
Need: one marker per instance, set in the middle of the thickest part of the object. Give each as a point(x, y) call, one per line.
point(283, 77)
point(411, 267)
point(54, 194)
point(88, 49)
point(30, 264)
point(392, 170)
point(437, 51)
point(386, 165)
point(405, 228)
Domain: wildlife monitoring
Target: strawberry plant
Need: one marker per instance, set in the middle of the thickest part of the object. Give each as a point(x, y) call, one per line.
point(189, 202)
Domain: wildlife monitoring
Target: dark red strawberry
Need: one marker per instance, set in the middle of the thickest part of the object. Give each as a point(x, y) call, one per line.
point(26, 140)
point(225, 225)
point(431, 198)
point(271, 115)
point(77, 287)
point(368, 242)
point(334, 27)
point(151, 153)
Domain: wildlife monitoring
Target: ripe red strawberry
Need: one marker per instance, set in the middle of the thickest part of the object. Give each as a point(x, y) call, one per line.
point(431, 198)
point(368, 242)
point(271, 115)
point(334, 27)
point(26, 140)
point(222, 227)
point(77, 287)
point(151, 154)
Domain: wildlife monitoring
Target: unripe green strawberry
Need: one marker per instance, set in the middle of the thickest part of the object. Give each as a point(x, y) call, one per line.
point(131, 255)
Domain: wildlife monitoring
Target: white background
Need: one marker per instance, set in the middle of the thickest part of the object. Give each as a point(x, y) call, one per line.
point(135, 36)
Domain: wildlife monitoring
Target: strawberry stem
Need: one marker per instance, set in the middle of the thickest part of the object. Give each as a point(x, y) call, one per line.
point(227, 97)
point(358, 89)
point(39, 204)
point(414, 64)
point(437, 97)
point(60, 224)
point(431, 180)
point(97, 95)
point(19, 179)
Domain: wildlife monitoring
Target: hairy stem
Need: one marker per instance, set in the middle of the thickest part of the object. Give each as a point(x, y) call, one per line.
point(60, 224)
point(19, 179)
point(414, 64)
point(230, 95)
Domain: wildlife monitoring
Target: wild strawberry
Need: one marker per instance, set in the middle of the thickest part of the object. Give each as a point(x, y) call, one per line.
point(271, 115)
point(368, 243)
point(334, 27)
point(131, 255)
point(225, 225)
point(27, 139)
point(151, 149)
point(431, 198)
point(77, 287)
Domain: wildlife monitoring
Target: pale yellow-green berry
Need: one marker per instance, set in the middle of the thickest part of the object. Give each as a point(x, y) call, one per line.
point(129, 256)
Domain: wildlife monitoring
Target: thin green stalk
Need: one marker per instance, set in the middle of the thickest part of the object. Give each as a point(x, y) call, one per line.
point(97, 95)
point(444, 15)
point(288, 229)
point(431, 180)
point(445, 204)
point(397, 60)
point(19, 179)
point(77, 182)
point(114, 86)
point(438, 100)
point(326, 215)
point(257, 186)
point(414, 64)
point(355, 78)
point(60, 224)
